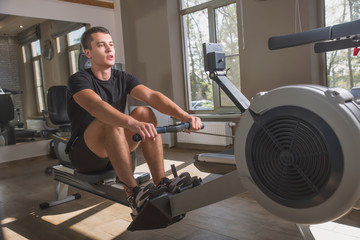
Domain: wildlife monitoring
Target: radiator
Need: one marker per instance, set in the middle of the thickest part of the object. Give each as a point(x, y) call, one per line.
point(222, 128)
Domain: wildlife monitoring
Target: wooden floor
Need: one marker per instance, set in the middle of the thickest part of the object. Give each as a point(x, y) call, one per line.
point(23, 185)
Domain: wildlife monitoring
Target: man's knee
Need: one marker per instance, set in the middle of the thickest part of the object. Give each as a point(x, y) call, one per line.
point(144, 114)
point(101, 131)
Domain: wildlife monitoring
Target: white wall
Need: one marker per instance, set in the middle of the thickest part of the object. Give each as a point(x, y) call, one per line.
point(59, 10)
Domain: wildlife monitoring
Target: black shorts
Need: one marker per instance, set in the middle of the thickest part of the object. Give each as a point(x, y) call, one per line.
point(84, 160)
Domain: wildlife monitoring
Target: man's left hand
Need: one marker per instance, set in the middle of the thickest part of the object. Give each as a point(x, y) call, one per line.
point(195, 122)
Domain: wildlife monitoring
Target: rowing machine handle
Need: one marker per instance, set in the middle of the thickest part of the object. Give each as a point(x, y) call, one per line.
point(172, 128)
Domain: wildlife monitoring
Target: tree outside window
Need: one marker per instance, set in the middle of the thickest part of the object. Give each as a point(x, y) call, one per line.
point(209, 21)
point(343, 69)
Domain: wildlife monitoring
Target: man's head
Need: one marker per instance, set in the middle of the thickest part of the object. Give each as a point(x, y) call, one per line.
point(99, 47)
point(86, 38)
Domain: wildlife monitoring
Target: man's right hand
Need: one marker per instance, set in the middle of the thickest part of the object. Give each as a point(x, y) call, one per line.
point(145, 130)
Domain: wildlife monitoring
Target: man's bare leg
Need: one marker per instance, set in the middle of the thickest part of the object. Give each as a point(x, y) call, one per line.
point(116, 143)
point(108, 141)
point(152, 148)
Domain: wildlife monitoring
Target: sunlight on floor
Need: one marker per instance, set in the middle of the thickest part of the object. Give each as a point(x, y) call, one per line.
point(335, 231)
point(106, 226)
point(57, 219)
point(8, 220)
point(167, 163)
point(107, 221)
point(180, 166)
point(10, 234)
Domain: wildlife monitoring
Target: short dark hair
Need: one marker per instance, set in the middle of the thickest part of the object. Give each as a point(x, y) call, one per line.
point(86, 37)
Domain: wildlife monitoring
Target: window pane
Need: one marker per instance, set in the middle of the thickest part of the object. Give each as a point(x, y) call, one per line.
point(39, 93)
point(342, 68)
point(37, 73)
point(39, 85)
point(35, 48)
point(73, 60)
point(74, 37)
point(197, 33)
point(227, 35)
point(24, 54)
point(191, 3)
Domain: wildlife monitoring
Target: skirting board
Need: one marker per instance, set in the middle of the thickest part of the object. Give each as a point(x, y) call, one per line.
point(24, 150)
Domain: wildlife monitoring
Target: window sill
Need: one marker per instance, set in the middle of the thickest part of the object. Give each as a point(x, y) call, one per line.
point(219, 117)
point(40, 117)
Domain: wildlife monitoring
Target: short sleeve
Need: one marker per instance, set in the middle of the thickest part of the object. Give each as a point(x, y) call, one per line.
point(79, 81)
point(131, 82)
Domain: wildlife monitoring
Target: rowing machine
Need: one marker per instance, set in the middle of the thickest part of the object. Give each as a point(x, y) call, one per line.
point(104, 183)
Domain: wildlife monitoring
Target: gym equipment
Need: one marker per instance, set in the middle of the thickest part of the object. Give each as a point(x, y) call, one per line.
point(57, 114)
point(106, 184)
point(7, 131)
point(295, 151)
point(339, 36)
point(11, 131)
point(218, 163)
point(299, 158)
point(167, 129)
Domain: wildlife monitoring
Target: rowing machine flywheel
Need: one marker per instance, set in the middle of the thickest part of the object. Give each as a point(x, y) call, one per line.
point(297, 152)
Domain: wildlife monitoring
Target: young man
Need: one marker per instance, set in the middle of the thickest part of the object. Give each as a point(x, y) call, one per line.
point(102, 133)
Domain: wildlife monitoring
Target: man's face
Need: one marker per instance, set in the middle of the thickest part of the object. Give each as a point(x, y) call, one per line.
point(102, 51)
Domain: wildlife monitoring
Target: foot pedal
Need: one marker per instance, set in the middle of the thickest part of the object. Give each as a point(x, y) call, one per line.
point(182, 182)
point(173, 170)
point(154, 214)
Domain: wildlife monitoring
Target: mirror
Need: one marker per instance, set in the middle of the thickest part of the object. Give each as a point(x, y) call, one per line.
point(35, 55)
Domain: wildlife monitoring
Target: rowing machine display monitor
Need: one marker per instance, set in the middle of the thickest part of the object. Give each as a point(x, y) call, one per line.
point(214, 57)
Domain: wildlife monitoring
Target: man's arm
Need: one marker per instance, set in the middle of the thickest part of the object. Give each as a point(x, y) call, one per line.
point(164, 105)
point(107, 114)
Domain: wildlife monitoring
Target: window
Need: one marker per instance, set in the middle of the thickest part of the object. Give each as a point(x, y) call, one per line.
point(38, 75)
point(209, 21)
point(342, 68)
point(35, 48)
point(192, 3)
point(74, 48)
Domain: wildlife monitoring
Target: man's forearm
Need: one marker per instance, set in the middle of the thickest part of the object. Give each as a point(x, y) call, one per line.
point(110, 115)
point(164, 105)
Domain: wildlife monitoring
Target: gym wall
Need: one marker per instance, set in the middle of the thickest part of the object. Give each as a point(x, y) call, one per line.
point(152, 43)
point(153, 48)
point(262, 69)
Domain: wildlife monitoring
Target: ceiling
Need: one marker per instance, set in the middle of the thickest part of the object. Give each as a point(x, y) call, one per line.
point(10, 24)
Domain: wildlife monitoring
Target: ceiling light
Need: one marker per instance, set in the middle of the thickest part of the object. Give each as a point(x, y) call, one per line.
point(21, 26)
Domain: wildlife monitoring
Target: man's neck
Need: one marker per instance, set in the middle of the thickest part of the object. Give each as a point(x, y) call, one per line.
point(102, 73)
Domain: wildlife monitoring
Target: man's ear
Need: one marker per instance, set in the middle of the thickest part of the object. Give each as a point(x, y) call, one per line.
point(87, 53)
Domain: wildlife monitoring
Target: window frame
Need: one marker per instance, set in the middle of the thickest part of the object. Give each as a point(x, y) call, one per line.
point(40, 100)
point(73, 48)
point(328, 81)
point(210, 6)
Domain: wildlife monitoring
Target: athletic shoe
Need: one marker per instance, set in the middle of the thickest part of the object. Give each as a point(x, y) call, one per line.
point(140, 195)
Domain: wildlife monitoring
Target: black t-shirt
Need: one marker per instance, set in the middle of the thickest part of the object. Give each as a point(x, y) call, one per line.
point(114, 91)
